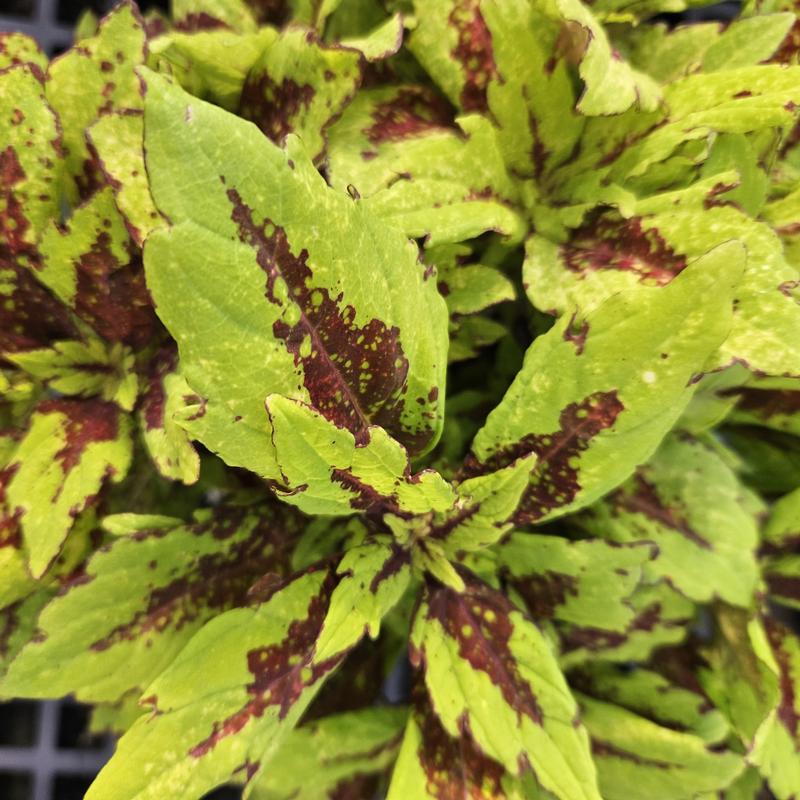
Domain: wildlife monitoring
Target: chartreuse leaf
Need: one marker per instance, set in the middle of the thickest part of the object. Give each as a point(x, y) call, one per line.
point(17, 48)
point(398, 148)
point(638, 758)
point(752, 678)
point(691, 505)
point(84, 368)
point(362, 350)
point(661, 617)
point(168, 444)
point(30, 163)
point(18, 624)
point(122, 620)
point(433, 764)
point(198, 15)
point(777, 745)
point(117, 141)
point(211, 64)
point(92, 266)
point(327, 757)
point(92, 78)
point(622, 149)
point(623, 379)
point(382, 41)
point(651, 695)
point(70, 449)
point(483, 508)
point(490, 670)
point(585, 583)
point(374, 577)
point(748, 41)
point(326, 470)
point(227, 702)
point(299, 85)
point(665, 234)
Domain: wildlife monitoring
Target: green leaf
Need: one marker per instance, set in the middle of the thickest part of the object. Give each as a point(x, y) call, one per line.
point(300, 85)
point(380, 364)
point(212, 64)
point(433, 764)
point(691, 505)
point(168, 444)
point(93, 267)
point(326, 470)
point(747, 42)
point(17, 48)
point(490, 670)
point(681, 706)
point(117, 144)
point(199, 15)
point(71, 448)
point(637, 758)
point(117, 624)
point(322, 758)
point(30, 163)
point(227, 702)
point(586, 583)
point(375, 576)
point(92, 78)
point(398, 148)
point(483, 508)
point(84, 369)
point(777, 746)
point(623, 374)
point(661, 617)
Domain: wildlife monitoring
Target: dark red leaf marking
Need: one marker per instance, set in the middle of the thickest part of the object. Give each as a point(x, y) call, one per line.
point(212, 582)
point(163, 363)
point(199, 21)
point(412, 111)
point(545, 592)
point(767, 403)
point(783, 586)
point(624, 245)
point(9, 622)
point(13, 223)
point(112, 296)
point(281, 672)
point(30, 316)
point(87, 422)
point(455, 769)
point(10, 534)
point(787, 710)
point(597, 639)
point(643, 498)
point(716, 195)
point(274, 107)
point(355, 375)
point(789, 48)
point(398, 559)
point(479, 622)
point(554, 480)
point(577, 333)
point(355, 788)
point(474, 52)
point(270, 12)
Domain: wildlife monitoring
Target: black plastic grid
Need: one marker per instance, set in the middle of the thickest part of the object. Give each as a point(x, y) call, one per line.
point(47, 754)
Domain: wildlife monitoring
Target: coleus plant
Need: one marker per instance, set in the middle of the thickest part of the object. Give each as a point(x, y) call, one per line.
point(403, 398)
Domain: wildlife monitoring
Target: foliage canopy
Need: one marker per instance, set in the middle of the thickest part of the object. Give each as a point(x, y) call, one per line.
point(465, 334)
